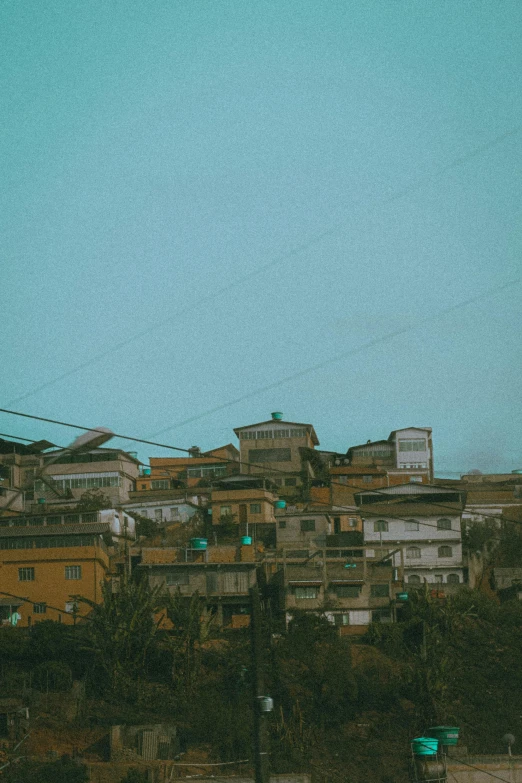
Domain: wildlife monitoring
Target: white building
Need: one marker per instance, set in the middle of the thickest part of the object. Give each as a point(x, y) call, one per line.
point(423, 523)
point(164, 510)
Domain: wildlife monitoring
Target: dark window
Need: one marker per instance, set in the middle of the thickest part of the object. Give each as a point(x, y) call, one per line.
point(443, 524)
point(367, 479)
point(212, 582)
point(73, 572)
point(380, 526)
point(453, 579)
point(347, 591)
point(282, 524)
point(270, 455)
point(39, 608)
point(445, 551)
point(290, 482)
point(177, 578)
point(255, 508)
point(306, 592)
point(26, 574)
point(307, 525)
point(414, 579)
point(379, 591)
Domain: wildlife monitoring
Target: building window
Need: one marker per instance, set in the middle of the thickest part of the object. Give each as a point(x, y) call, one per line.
point(367, 479)
point(352, 522)
point(412, 445)
point(415, 479)
point(453, 579)
point(343, 479)
point(143, 486)
point(278, 482)
point(380, 526)
point(26, 574)
point(158, 514)
point(307, 525)
point(73, 572)
point(225, 511)
point(414, 579)
point(177, 578)
point(439, 578)
point(290, 482)
point(411, 525)
point(445, 551)
point(342, 619)
point(380, 591)
point(255, 508)
point(269, 455)
point(282, 524)
point(306, 592)
point(39, 608)
point(347, 591)
point(443, 524)
point(413, 553)
point(160, 484)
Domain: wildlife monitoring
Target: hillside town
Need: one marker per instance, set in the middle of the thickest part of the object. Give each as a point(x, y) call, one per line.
point(348, 534)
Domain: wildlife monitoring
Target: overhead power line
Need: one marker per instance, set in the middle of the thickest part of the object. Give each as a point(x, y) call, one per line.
point(249, 464)
point(343, 355)
point(280, 259)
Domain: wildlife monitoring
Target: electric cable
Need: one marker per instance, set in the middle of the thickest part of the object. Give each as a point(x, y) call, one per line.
point(342, 355)
point(455, 163)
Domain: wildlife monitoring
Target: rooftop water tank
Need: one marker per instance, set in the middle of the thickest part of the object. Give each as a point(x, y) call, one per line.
point(424, 746)
point(146, 471)
point(246, 540)
point(280, 504)
point(198, 543)
point(277, 415)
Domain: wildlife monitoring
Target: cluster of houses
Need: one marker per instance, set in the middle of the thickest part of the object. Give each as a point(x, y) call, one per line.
point(348, 534)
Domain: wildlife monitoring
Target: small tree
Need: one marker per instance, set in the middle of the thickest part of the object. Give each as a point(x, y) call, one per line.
point(93, 500)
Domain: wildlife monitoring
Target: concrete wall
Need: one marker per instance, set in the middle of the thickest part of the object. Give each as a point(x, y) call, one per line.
point(503, 767)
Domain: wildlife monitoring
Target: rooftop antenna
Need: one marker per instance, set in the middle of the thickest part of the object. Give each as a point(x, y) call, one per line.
point(509, 740)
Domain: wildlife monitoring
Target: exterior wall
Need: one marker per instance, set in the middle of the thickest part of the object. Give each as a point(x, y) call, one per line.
point(162, 510)
point(429, 566)
point(124, 468)
point(224, 460)
point(236, 498)
point(408, 459)
point(289, 526)
point(50, 585)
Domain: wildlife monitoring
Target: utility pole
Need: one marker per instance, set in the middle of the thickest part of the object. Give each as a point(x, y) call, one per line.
point(260, 700)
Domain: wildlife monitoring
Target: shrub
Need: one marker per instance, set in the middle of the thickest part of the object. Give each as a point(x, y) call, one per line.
point(52, 676)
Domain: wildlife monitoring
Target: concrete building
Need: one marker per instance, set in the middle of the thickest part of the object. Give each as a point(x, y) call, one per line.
point(247, 501)
point(18, 465)
point(272, 448)
point(112, 471)
point(219, 575)
point(163, 510)
point(352, 591)
point(194, 470)
point(309, 525)
point(407, 455)
point(423, 523)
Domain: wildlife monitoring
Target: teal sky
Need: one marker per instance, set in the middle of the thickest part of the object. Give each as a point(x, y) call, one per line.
point(153, 154)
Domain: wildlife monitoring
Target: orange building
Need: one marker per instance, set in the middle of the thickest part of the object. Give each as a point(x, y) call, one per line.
point(44, 570)
point(196, 469)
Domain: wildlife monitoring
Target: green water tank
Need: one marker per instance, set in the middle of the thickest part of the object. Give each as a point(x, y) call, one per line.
point(280, 504)
point(446, 735)
point(424, 746)
point(246, 540)
point(402, 596)
point(198, 543)
point(277, 415)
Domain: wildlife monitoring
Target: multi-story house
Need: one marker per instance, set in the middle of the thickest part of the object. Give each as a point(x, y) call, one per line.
point(352, 591)
point(68, 475)
point(247, 501)
point(162, 510)
point(423, 523)
point(47, 562)
point(407, 455)
point(273, 448)
point(196, 469)
point(18, 466)
point(218, 575)
point(310, 525)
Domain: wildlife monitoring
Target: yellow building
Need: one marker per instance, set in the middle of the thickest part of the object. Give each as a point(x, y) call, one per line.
point(44, 570)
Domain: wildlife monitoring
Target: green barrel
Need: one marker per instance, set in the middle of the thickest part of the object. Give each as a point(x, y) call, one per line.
point(280, 504)
point(198, 543)
point(424, 746)
point(246, 540)
point(446, 735)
